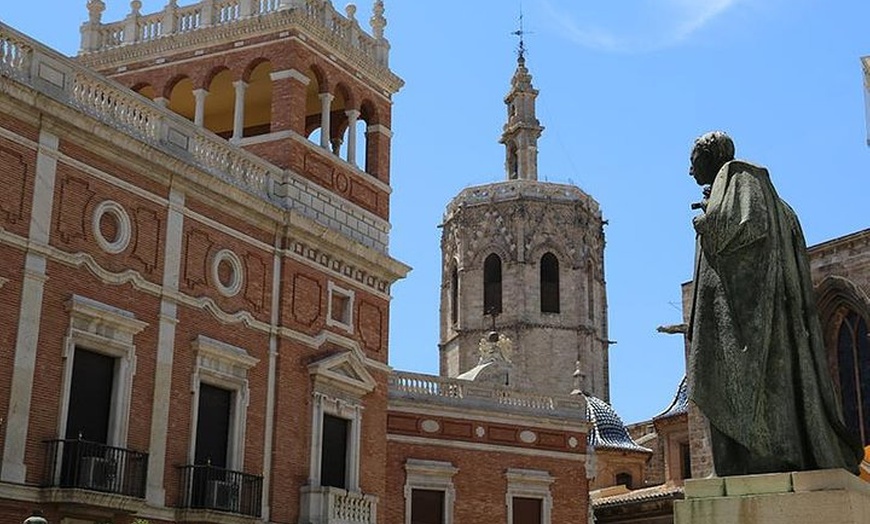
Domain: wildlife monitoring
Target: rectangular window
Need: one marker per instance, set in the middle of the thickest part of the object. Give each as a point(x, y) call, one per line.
point(686, 460)
point(527, 510)
point(340, 307)
point(333, 464)
point(427, 506)
point(213, 426)
point(90, 398)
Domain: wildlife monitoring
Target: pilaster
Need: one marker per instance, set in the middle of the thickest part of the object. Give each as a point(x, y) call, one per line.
point(30, 316)
point(155, 492)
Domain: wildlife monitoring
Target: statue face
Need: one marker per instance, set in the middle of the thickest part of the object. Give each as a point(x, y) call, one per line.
point(703, 167)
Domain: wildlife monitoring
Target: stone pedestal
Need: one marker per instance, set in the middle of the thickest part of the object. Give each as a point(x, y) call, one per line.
point(826, 496)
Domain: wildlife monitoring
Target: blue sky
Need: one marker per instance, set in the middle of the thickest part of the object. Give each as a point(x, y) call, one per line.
point(625, 88)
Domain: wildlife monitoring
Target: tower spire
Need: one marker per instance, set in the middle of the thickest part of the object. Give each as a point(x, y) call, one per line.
point(522, 129)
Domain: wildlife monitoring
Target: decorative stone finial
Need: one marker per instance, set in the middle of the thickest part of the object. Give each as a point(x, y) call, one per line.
point(95, 10)
point(350, 10)
point(135, 6)
point(378, 21)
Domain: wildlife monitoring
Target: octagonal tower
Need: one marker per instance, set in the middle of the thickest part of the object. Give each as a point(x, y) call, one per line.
point(526, 258)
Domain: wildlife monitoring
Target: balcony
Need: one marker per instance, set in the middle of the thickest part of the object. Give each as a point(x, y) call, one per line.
point(206, 487)
point(328, 505)
point(75, 464)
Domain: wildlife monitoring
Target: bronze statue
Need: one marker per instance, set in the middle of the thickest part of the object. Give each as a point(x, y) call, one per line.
point(757, 364)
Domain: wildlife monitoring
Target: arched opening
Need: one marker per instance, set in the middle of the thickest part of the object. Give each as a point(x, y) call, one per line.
point(146, 90)
point(367, 148)
point(181, 99)
point(492, 285)
point(590, 290)
point(454, 294)
point(512, 162)
point(549, 283)
point(258, 101)
point(314, 105)
point(853, 363)
point(338, 121)
point(218, 115)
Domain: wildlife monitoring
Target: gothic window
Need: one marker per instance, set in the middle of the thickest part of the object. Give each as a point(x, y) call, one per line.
point(492, 285)
point(512, 162)
point(549, 283)
point(590, 290)
point(454, 295)
point(853, 358)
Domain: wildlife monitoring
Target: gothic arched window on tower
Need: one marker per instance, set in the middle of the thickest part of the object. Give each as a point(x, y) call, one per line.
point(549, 283)
point(492, 285)
point(512, 161)
point(454, 295)
point(590, 290)
point(853, 359)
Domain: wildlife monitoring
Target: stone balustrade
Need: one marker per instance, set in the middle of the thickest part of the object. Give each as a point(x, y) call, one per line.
point(329, 505)
point(418, 386)
point(46, 71)
point(318, 16)
point(350, 507)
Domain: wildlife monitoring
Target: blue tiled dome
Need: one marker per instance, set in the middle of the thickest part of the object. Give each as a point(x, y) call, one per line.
point(679, 405)
point(608, 431)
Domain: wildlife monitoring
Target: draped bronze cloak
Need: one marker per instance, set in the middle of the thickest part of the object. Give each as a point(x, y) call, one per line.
point(757, 365)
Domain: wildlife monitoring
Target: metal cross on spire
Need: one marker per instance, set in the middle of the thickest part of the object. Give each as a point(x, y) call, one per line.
point(521, 33)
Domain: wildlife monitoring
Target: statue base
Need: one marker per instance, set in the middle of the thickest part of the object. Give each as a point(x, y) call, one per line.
point(831, 495)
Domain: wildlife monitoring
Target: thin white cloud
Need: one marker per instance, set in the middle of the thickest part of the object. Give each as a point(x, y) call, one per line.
point(695, 14)
point(634, 26)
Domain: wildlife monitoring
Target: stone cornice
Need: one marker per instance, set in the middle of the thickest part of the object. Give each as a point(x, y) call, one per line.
point(837, 244)
point(278, 23)
point(516, 190)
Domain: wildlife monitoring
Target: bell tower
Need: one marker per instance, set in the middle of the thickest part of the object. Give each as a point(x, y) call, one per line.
point(525, 258)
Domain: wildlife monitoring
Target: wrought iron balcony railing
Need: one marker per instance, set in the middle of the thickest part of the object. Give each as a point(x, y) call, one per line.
point(209, 487)
point(80, 464)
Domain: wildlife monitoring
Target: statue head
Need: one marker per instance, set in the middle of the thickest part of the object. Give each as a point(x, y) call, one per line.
point(710, 152)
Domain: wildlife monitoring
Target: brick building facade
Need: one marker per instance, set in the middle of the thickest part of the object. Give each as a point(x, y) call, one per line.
point(195, 296)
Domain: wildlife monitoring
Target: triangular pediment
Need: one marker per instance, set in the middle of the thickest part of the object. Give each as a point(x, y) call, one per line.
point(344, 371)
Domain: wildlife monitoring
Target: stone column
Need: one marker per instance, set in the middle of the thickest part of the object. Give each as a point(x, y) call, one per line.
point(239, 110)
point(325, 118)
point(352, 117)
point(30, 316)
point(199, 113)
